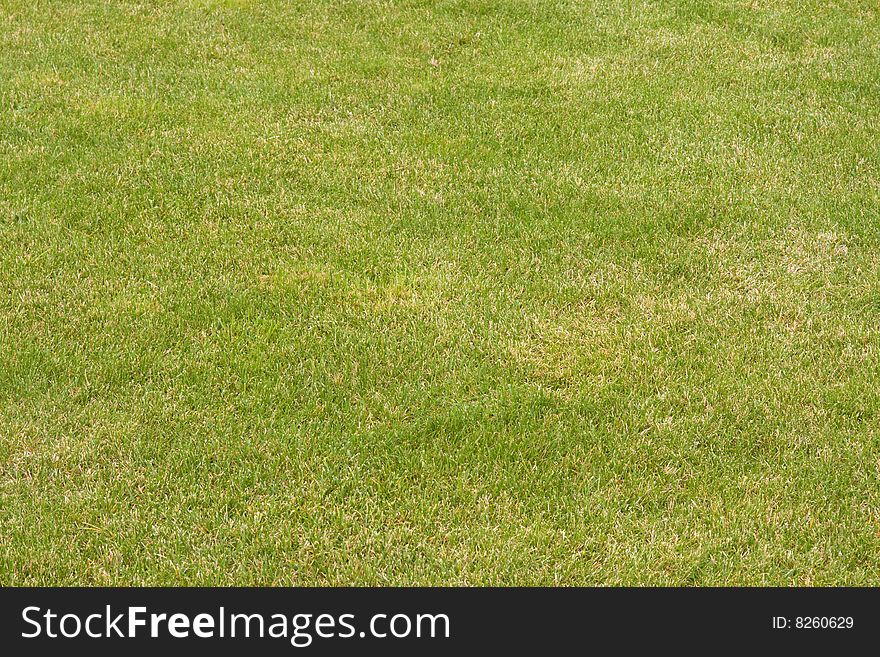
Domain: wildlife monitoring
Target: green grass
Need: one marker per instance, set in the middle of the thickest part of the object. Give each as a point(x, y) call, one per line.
point(440, 292)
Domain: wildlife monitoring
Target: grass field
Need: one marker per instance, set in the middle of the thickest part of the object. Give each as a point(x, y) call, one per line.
point(450, 292)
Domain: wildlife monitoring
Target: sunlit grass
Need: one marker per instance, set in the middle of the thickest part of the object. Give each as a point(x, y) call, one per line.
point(453, 292)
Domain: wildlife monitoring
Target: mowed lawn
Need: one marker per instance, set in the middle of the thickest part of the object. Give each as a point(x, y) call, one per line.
point(440, 292)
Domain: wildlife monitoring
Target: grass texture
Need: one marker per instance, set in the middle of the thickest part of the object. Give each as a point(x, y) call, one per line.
point(440, 292)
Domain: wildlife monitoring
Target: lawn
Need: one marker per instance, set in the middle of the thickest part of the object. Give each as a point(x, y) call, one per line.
point(440, 292)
